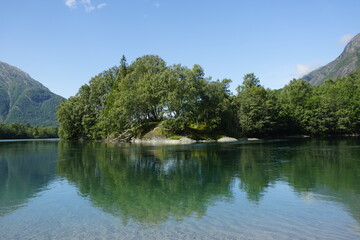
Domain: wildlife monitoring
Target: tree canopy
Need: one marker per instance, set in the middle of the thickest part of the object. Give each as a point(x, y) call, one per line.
point(130, 99)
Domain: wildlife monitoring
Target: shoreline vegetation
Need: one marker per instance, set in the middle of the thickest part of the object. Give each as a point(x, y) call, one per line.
point(25, 131)
point(151, 101)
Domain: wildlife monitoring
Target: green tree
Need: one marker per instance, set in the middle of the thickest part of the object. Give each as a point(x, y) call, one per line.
point(140, 95)
point(69, 114)
point(295, 101)
point(249, 81)
point(256, 108)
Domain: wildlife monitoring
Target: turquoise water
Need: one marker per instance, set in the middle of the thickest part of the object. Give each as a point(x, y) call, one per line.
point(278, 189)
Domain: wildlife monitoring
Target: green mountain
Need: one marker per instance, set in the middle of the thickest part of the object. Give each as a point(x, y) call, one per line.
point(347, 62)
point(25, 100)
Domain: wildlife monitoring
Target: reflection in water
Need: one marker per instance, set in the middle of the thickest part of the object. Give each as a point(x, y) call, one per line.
point(328, 169)
point(147, 184)
point(25, 169)
point(153, 184)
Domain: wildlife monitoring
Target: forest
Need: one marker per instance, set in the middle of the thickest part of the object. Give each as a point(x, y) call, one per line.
point(129, 100)
point(25, 131)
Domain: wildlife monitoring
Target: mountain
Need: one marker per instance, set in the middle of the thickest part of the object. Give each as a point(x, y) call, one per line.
point(25, 100)
point(347, 62)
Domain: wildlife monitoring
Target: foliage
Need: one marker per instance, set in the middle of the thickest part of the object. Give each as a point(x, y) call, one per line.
point(256, 108)
point(125, 100)
point(329, 109)
point(82, 116)
point(25, 131)
point(129, 97)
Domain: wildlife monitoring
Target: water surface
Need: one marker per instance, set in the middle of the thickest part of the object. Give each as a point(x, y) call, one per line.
point(279, 189)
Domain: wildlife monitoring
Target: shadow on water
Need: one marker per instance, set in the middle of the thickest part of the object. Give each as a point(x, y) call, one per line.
point(151, 184)
point(26, 168)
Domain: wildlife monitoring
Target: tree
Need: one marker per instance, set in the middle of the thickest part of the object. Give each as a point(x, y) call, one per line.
point(256, 111)
point(249, 81)
point(141, 93)
point(295, 101)
point(123, 67)
point(69, 114)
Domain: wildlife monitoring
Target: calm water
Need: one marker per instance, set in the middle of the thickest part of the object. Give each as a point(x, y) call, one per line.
point(280, 189)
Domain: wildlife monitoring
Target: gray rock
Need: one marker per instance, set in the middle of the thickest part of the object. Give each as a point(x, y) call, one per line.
point(227, 139)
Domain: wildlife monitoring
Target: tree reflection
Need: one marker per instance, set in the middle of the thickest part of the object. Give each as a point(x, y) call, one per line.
point(153, 184)
point(147, 184)
point(327, 168)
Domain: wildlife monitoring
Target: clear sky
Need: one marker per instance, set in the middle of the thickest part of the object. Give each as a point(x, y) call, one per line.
point(63, 43)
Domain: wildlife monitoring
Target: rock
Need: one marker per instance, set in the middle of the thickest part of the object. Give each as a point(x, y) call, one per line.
point(186, 140)
point(227, 139)
point(161, 141)
point(206, 141)
point(154, 134)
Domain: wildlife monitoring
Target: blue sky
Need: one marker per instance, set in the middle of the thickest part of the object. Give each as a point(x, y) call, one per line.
point(63, 43)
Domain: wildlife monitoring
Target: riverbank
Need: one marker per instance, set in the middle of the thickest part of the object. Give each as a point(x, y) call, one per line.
point(182, 140)
point(157, 137)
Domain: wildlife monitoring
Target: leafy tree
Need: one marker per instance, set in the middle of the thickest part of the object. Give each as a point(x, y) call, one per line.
point(82, 116)
point(249, 81)
point(141, 93)
point(337, 102)
point(215, 100)
point(295, 104)
point(69, 114)
point(123, 67)
point(256, 109)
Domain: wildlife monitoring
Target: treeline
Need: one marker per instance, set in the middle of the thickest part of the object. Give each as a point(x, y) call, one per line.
point(25, 131)
point(128, 100)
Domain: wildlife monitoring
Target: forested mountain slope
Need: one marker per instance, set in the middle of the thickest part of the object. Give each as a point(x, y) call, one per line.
point(25, 100)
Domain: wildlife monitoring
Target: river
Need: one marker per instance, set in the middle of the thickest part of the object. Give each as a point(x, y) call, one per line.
point(266, 189)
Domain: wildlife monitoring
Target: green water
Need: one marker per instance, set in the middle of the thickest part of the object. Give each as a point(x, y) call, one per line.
point(278, 189)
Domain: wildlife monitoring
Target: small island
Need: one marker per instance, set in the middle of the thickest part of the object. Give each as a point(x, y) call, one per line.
point(149, 100)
